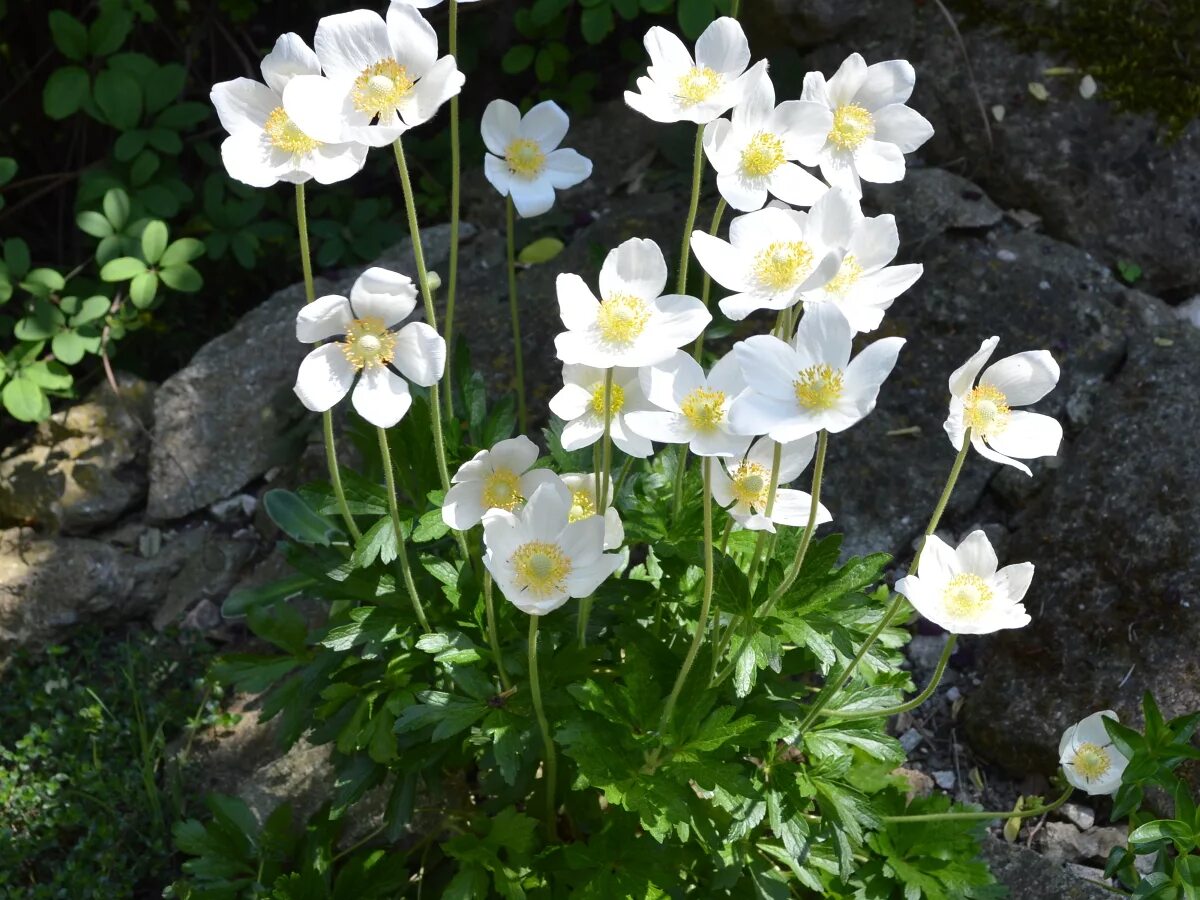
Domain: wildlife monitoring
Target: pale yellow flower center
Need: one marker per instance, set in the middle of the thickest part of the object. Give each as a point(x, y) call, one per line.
point(698, 85)
point(541, 568)
point(1091, 761)
point(583, 505)
point(763, 155)
point(525, 158)
point(986, 411)
point(819, 387)
point(622, 318)
point(616, 398)
point(839, 285)
point(502, 490)
point(966, 596)
point(704, 409)
point(368, 343)
point(852, 125)
point(285, 136)
point(782, 265)
point(751, 484)
point(380, 88)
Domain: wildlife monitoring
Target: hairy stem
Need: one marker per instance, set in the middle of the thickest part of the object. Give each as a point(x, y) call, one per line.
point(389, 478)
point(551, 767)
point(706, 288)
point(514, 311)
point(455, 210)
point(690, 223)
point(889, 711)
point(493, 636)
point(985, 816)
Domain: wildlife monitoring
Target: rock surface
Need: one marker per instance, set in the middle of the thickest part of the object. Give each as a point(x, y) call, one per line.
point(1030, 876)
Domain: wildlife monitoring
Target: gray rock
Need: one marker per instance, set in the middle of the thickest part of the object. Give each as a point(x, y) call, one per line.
point(945, 779)
point(931, 201)
point(1082, 816)
point(1063, 842)
point(1030, 876)
point(83, 467)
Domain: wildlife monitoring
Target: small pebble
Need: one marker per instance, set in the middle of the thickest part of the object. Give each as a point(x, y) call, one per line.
point(1006, 255)
point(1082, 816)
point(954, 695)
point(910, 740)
point(944, 779)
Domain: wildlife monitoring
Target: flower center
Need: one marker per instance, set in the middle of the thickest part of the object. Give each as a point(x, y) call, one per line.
point(782, 265)
point(622, 318)
point(986, 411)
point(616, 398)
point(839, 285)
point(541, 568)
point(502, 490)
point(698, 85)
point(852, 125)
point(966, 596)
point(819, 387)
point(704, 409)
point(763, 155)
point(380, 88)
point(284, 135)
point(525, 158)
point(368, 343)
point(1091, 761)
point(751, 484)
point(583, 505)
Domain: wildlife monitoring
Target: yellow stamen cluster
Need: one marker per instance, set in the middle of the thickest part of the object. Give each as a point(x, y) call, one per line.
point(852, 125)
point(368, 343)
point(616, 398)
point(380, 88)
point(966, 596)
point(986, 411)
point(783, 265)
point(502, 490)
point(286, 136)
point(622, 318)
point(839, 285)
point(525, 158)
point(583, 505)
point(541, 568)
point(762, 155)
point(1091, 761)
point(698, 85)
point(819, 387)
point(751, 484)
point(704, 409)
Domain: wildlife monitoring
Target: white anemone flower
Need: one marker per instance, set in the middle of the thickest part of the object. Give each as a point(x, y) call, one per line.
point(525, 161)
point(744, 486)
point(264, 146)
point(580, 403)
point(540, 558)
point(631, 324)
point(1090, 759)
point(774, 255)
point(381, 78)
point(998, 431)
point(427, 4)
point(500, 478)
point(363, 344)
point(872, 128)
point(691, 409)
point(811, 384)
point(584, 493)
point(677, 88)
point(753, 153)
point(961, 590)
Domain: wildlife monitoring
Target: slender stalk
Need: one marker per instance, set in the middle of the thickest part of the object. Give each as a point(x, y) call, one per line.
point(401, 551)
point(716, 613)
point(515, 313)
point(706, 289)
point(680, 474)
point(621, 476)
point(889, 711)
point(305, 255)
point(985, 816)
point(705, 603)
point(455, 211)
point(690, 223)
point(493, 636)
point(772, 490)
point(606, 446)
point(551, 768)
point(733, 8)
point(938, 510)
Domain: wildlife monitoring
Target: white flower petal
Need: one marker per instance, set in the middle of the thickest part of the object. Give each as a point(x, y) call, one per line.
point(796, 186)
point(531, 198)
point(667, 51)
point(847, 80)
point(582, 432)
point(577, 305)
point(1028, 436)
point(906, 128)
point(497, 173)
point(803, 127)
point(793, 508)
point(875, 242)
point(381, 397)
point(867, 372)
point(939, 562)
point(322, 319)
point(835, 217)
point(331, 163)
point(420, 354)
point(962, 380)
point(1023, 378)
point(678, 319)
point(243, 105)
point(838, 169)
point(546, 124)
point(288, 58)
point(822, 337)
point(384, 295)
point(769, 367)
point(636, 267)
point(567, 168)
point(325, 377)
point(412, 40)
point(667, 383)
point(250, 159)
point(743, 194)
point(438, 85)
point(664, 427)
point(463, 509)
point(757, 414)
point(1014, 580)
point(501, 125)
point(886, 83)
point(975, 556)
point(514, 454)
point(988, 453)
point(757, 107)
point(723, 47)
point(878, 162)
point(347, 43)
point(571, 401)
point(727, 267)
point(317, 106)
point(547, 510)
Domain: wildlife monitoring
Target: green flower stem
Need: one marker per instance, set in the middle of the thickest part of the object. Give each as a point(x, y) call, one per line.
point(985, 816)
point(716, 613)
point(760, 541)
point(493, 636)
point(515, 313)
point(733, 8)
point(889, 711)
point(551, 768)
point(680, 474)
point(401, 551)
point(624, 473)
point(455, 211)
point(604, 481)
point(706, 289)
point(335, 474)
point(697, 171)
point(705, 603)
point(894, 607)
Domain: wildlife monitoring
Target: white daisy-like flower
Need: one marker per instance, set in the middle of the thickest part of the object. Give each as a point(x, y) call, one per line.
point(500, 478)
point(428, 4)
point(264, 146)
point(811, 384)
point(584, 491)
point(677, 88)
point(631, 325)
point(753, 153)
point(524, 161)
point(363, 344)
point(1090, 759)
point(690, 408)
point(872, 128)
point(539, 557)
point(961, 589)
point(744, 486)
point(580, 403)
point(998, 431)
point(774, 255)
point(381, 78)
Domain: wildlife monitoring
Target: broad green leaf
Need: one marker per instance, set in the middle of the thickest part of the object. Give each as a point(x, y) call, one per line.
point(24, 400)
point(94, 223)
point(181, 278)
point(518, 58)
point(16, 258)
point(182, 251)
point(108, 32)
point(296, 519)
point(65, 91)
point(70, 346)
point(596, 23)
point(43, 322)
point(119, 97)
point(142, 289)
point(241, 601)
point(116, 207)
point(90, 310)
point(540, 251)
point(50, 376)
point(1148, 837)
point(43, 281)
point(122, 269)
point(8, 169)
point(69, 34)
point(154, 241)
